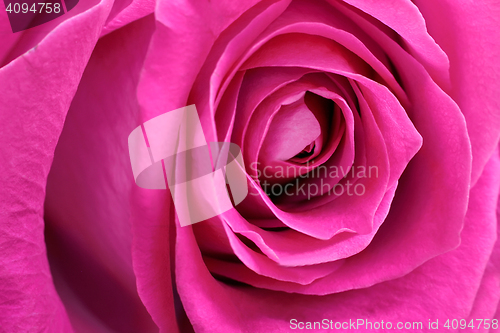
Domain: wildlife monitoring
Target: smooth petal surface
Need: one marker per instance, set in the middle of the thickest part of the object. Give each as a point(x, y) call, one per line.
point(470, 37)
point(152, 251)
point(87, 207)
point(35, 93)
point(487, 301)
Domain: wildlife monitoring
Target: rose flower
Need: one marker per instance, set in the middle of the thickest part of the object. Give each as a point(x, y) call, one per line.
point(369, 134)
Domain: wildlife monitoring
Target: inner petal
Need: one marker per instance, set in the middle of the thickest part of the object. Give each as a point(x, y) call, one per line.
point(297, 136)
point(293, 128)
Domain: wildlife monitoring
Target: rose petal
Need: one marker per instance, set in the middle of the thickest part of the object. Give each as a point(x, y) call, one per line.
point(439, 171)
point(470, 37)
point(315, 19)
point(487, 299)
point(412, 30)
point(229, 46)
point(35, 93)
point(14, 45)
point(264, 266)
point(310, 52)
point(282, 246)
point(171, 68)
point(258, 84)
point(127, 11)
point(301, 128)
point(87, 209)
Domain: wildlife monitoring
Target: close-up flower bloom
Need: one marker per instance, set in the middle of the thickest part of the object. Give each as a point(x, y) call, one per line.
point(250, 166)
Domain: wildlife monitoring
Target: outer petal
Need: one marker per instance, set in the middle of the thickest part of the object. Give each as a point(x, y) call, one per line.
point(35, 92)
point(87, 205)
point(152, 249)
point(469, 35)
point(488, 296)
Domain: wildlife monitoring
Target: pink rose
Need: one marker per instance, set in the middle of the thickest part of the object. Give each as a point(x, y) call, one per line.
point(369, 132)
